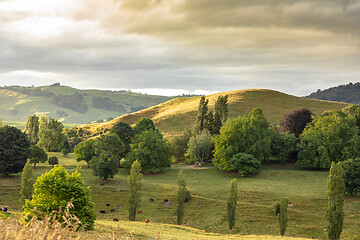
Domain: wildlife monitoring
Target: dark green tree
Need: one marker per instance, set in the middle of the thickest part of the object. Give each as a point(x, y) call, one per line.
point(144, 124)
point(55, 189)
point(181, 197)
point(14, 150)
point(134, 181)
point(180, 145)
point(85, 151)
point(151, 150)
point(26, 183)
point(283, 216)
point(351, 169)
point(282, 145)
point(125, 132)
point(38, 155)
point(354, 111)
point(231, 204)
point(32, 128)
point(221, 113)
point(53, 161)
point(245, 164)
point(335, 212)
point(199, 146)
point(202, 113)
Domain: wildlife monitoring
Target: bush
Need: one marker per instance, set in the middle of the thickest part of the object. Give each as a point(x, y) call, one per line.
point(53, 160)
point(65, 152)
point(351, 176)
point(245, 164)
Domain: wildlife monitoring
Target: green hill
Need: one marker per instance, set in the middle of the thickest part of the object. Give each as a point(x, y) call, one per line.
point(348, 93)
point(176, 115)
point(70, 105)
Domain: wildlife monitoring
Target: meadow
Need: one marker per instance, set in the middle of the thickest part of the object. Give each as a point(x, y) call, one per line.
point(205, 212)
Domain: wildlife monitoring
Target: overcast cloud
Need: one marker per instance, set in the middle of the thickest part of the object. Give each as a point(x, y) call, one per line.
point(197, 46)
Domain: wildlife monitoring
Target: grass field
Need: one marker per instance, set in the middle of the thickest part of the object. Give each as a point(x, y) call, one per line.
point(306, 190)
point(21, 125)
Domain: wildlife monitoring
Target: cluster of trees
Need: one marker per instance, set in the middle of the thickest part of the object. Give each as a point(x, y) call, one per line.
point(343, 93)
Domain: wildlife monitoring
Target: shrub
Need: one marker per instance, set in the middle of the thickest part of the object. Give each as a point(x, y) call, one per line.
point(282, 216)
point(351, 169)
point(53, 160)
point(245, 164)
point(65, 152)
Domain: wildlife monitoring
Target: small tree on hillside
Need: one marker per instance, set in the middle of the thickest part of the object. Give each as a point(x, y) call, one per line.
point(231, 204)
point(200, 146)
point(38, 155)
point(335, 211)
point(134, 181)
point(181, 197)
point(282, 216)
point(26, 183)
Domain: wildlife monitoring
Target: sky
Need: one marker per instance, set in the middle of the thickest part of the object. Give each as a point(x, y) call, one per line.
point(171, 47)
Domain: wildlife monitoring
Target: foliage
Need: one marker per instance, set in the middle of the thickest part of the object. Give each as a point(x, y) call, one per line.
point(53, 160)
point(245, 164)
point(74, 102)
point(32, 128)
point(151, 150)
point(249, 135)
point(181, 197)
point(38, 155)
point(332, 137)
point(231, 204)
point(180, 145)
point(144, 124)
point(351, 168)
point(65, 152)
point(26, 183)
point(55, 189)
point(85, 151)
point(282, 145)
point(283, 216)
point(296, 121)
point(134, 181)
point(348, 93)
point(353, 110)
point(200, 146)
point(221, 113)
point(202, 113)
point(51, 136)
point(125, 132)
point(335, 211)
point(107, 104)
point(14, 150)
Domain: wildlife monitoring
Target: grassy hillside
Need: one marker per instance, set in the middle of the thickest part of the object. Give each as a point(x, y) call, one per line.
point(174, 116)
point(70, 105)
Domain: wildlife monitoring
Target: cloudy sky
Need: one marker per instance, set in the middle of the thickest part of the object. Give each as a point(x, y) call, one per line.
point(175, 46)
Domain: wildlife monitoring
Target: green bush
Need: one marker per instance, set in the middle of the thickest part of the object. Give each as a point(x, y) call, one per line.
point(65, 152)
point(53, 161)
point(352, 176)
point(245, 164)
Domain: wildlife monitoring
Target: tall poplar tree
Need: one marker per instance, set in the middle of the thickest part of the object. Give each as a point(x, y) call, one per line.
point(283, 217)
point(26, 183)
point(32, 128)
point(181, 196)
point(50, 134)
point(202, 112)
point(134, 181)
point(221, 113)
point(335, 211)
point(231, 204)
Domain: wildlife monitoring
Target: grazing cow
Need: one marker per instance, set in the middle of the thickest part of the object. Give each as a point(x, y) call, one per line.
point(101, 211)
point(112, 210)
point(147, 220)
point(108, 204)
point(166, 200)
point(139, 211)
point(3, 209)
point(151, 199)
point(115, 220)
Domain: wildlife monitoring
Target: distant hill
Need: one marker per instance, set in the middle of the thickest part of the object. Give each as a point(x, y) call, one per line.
point(71, 105)
point(176, 115)
point(349, 93)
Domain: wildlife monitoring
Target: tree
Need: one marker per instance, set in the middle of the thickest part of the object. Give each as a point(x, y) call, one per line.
point(354, 111)
point(231, 204)
point(249, 135)
point(199, 146)
point(296, 121)
point(351, 168)
point(202, 112)
point(221, 113)
point(51, 136)
point(332, 137)
point(245, 164)
point(26, 183)
point(151, 150)
point(181, 197)
point(180, 145)
point(134, 181)
point(65, 152)
point(38, 155)
point(282, 145)
point(144, 124)
point(32, 128)
point(53, 161)
point(125, 132)
point(14, 150)
point(335, 211)
point(55, 189)
point(85, 151)
point(282, 216)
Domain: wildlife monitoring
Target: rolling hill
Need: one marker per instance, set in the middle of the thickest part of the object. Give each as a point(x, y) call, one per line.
point(70, 105)
point(176, 115)
point(349, 93)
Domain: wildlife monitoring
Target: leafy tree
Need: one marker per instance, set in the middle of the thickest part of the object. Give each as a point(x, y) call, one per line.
point(335, 211)
point(221, 113)
point(249, 135)
point(296, 121)
point(199, 146)
point(38, 155)
point(125, 132)
point(353, 110)
point(151, 150)
point(332, 137)
point(144, 124)
point(53, 161)
point(209, 122)
point(134, 181)
point(181, 197)
point(55, 189)
point(26, 183)
point(282, 145)
point(283, 216)
point(85, 151)
point(231, 204)
point(202, 112)
point(14, 150)
point(180, 145)
point(245, 164)
point(65, 152)
point(351, 168)
point(32, 128)
point(50, 134)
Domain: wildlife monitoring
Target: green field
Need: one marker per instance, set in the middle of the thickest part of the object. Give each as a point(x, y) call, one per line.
point(21, 125)
point(306, 190)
